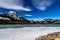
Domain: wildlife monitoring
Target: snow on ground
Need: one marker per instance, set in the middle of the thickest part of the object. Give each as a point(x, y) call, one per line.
point(26, 33)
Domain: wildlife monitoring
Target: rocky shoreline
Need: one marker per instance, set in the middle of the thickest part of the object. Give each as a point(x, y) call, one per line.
point(52, 36)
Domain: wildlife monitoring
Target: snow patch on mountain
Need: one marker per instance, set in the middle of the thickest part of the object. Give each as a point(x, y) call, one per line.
point(4, 18)
point(13, 14)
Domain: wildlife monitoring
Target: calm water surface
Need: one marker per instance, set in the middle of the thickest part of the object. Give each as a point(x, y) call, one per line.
point(29, 25)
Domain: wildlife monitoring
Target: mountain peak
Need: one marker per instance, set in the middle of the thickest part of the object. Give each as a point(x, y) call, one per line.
point(13, 14)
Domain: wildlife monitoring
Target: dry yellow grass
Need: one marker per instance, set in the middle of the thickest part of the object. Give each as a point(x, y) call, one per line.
point(57, 38)
point(52, 36)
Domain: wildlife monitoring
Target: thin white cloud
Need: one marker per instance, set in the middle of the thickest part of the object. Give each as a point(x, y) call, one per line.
point(42, 8)
point(12, 4)
point(42, 4)
point(36, 19)
point(28, 15)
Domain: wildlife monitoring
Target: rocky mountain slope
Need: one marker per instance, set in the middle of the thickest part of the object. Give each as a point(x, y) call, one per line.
point(12, 17)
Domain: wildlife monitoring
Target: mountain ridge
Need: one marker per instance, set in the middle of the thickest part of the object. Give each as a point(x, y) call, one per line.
point(12, 18)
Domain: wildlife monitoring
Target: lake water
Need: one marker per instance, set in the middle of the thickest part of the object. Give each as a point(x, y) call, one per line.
point(26, 31)
point(29, 25)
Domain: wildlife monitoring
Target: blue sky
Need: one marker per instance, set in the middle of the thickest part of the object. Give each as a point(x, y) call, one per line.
point(32, 10)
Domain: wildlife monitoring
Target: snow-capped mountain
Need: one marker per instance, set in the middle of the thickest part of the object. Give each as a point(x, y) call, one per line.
point(13, 15)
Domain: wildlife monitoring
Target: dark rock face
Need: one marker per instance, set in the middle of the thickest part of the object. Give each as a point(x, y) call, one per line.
point(52, 36)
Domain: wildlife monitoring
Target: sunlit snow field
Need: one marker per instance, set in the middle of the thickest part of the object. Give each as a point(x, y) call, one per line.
point(25, 33)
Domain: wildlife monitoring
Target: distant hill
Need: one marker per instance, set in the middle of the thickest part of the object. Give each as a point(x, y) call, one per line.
point(11, 17)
